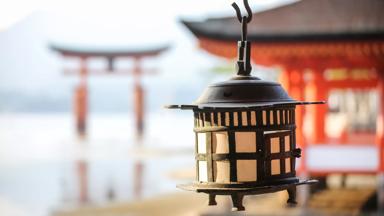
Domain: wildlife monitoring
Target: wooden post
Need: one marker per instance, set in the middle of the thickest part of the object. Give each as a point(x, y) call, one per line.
point(317, 90)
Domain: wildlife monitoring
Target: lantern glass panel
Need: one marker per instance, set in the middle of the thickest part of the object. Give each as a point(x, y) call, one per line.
point(287, 143)
point(201, 143)
point(203, 173)
point(220, 142)
point(275, 145)
point(253, 118)
point(213, 123)
point(244, 120)
point(221, 171)
point(278, 117)
point(271, 120)
point(235, 119)
point(287, 165)
point(246, 170)
point(264, 117)
point(227, 119)
point(245, 141)
point(275, 167)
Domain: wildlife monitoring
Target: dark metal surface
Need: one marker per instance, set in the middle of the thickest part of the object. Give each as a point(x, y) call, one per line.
point(242, 92)
point(219, 190)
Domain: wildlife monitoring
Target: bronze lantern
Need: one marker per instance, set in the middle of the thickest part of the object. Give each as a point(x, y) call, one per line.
point(245, 134)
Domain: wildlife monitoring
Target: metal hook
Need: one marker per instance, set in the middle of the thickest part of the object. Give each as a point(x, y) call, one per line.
point(238, 12)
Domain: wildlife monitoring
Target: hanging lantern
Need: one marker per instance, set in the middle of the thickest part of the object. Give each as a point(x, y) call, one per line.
point(245, 134)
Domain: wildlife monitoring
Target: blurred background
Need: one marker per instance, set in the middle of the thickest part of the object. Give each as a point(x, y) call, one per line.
point(83, 84)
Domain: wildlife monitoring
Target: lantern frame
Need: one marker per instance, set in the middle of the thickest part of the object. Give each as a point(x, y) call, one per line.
point(266, 122)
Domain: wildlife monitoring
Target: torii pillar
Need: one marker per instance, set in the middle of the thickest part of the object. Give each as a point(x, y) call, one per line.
point(80, 102)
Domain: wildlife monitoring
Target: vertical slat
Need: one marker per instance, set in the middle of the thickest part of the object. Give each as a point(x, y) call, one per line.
point(201, 117)
point(259, 117)
point(294, 117)
point(286, 117)
point(275, 117)
point(195, 122)
point(267, 165)
point(281, 117)
point(232, 159)
point(231, 117)
point(215, 118)
point(209, 148)
point(239, 119)
point(293, 146)
point(209, 157)
point(222, 115)
point(282, 149)
point(197, 161)
point(260, 147)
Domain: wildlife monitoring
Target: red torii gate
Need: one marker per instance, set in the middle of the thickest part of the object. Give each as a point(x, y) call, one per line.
point(81, 96)
point(304, 39)
point(110, 55)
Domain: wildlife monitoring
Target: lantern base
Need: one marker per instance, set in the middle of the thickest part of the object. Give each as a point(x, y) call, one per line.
point(237, 193)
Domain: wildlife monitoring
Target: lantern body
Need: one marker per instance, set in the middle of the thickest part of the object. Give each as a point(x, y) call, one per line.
point(243, 148)
point(245, 140)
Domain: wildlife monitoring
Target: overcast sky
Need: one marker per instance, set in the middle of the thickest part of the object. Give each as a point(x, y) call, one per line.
point(27, 27)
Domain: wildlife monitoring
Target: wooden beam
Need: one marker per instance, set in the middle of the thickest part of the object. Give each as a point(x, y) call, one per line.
point(349, 83)
point(121, 72)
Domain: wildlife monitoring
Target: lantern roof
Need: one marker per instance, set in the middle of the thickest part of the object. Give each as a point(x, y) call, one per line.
point(242, 92)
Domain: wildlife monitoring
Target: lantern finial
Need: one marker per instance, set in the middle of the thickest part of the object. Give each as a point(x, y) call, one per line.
point(243, 65)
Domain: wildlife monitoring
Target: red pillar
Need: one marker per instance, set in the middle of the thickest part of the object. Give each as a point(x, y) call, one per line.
point(380, 124)
point(380, 141)
point(81, 109)
point(317, 90)
point(293, 82)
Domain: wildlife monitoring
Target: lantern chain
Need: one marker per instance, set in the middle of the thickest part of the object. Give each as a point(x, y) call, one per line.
point(243, 65)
